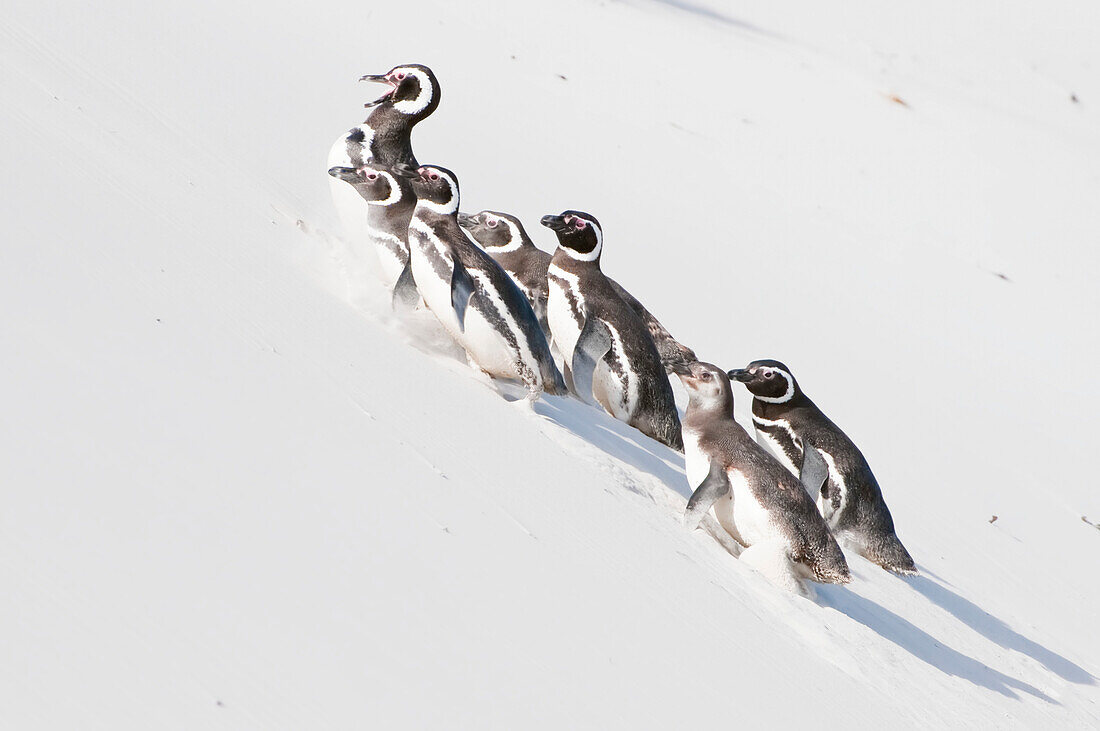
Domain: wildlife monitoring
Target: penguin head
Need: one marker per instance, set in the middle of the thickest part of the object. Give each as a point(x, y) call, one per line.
point(413, 92)
point(378, 184)
point(495, 231)
point(767, 380)
point(707, 386)
point(579, 234)
point(436, 189)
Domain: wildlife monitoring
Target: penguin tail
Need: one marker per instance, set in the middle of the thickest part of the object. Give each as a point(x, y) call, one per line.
point(664, 430)
point(552, 381)
point(830, 567)
point(672, 437)
point(888, 552)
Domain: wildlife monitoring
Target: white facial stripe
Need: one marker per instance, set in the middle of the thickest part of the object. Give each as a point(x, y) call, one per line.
point(395, 190)
point(595, 253)
point(514, 239)
point(442, 208)
point(786, 396)
point(422, 100)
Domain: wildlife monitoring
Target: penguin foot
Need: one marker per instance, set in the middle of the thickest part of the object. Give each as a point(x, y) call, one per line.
point(527, 403)
point(771, 559)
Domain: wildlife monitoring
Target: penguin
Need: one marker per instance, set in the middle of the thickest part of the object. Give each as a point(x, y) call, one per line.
point(609, 354)
point(386, 135)
point(394, 197)
point(472, 297)
point(833, 470)
point(504, 238)
point(384, 138)
point(755, 499)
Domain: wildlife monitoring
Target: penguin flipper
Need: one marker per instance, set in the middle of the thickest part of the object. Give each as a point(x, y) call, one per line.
point(814, 470)
point(405, 293)
point(462, 289)
point(592, 345)
point(715, 486)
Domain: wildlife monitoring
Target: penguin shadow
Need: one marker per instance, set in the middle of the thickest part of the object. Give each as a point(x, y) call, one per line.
point(616, 439)
point(922, 645)
point(720, 17)
point(995, 630)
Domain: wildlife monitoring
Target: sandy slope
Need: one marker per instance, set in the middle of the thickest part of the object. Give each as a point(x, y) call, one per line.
point(233, 500)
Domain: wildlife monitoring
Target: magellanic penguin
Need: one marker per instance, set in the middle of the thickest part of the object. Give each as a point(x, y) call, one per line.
point(504, 238)
point(385, 138)
point(609, 355)
point(475, 300)
point(754, 498)
point(393, 195)
point(833, 471)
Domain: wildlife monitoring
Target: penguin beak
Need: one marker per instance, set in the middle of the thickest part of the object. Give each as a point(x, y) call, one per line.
point(348, 175)
point(378, 79)
point(739, 374)
point(465, 220)
point(554, 223)
point(680, 369)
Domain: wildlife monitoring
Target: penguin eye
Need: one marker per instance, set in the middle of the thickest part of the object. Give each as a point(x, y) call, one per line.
point(769, 374)
point(372, 176)
point(580, 224)
point(491, 223)
point(400, 75)
point(706, 376)
point(434, 176)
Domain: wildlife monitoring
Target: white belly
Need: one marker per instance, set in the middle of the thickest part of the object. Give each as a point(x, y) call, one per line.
point(752, 519)
point(619, 397)
point(362, 261)
point(696, 461)
point(350, 206)
point(563, 326)
point(435, 290)
point(836, 478)
point(739, 512)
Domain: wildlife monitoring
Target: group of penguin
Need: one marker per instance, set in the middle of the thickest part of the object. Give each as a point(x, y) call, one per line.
point(513, 307)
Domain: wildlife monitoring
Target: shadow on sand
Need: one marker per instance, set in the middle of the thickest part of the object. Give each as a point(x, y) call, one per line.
point(995, 630)
point(922, 645)
point(616, 439)
point(718, 16)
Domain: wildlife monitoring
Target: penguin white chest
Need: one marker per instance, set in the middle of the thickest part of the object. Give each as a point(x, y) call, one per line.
point(565, 328)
